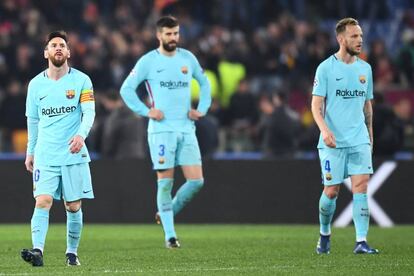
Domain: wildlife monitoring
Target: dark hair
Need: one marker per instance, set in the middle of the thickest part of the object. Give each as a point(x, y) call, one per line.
point(52, 35)
point(168, 21)
point(341, 25)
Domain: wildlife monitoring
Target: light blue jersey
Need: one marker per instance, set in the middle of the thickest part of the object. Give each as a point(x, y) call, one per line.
point(56, 112)
point(167, 80)
point(345, 87)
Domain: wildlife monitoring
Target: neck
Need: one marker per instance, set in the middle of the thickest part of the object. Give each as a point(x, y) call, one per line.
point(343, 55)
point(56, 73)
point(166, 53)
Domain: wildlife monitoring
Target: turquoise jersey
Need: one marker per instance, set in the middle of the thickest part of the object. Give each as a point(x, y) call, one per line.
point(167, 79)
point(345, 87)
point(60, 109)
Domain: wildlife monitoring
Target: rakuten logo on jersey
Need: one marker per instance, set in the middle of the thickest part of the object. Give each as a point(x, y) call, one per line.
point(57, 111)
point(174, 84)
point(350, 94)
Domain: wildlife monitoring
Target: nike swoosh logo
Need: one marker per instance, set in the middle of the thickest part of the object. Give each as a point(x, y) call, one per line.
point(43, 97)
point(338, 79)
point(159, 71)
point(85, 192)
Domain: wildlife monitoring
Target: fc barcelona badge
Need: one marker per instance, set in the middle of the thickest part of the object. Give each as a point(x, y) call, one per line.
point(362, 79)
point(161, 160)
point(328, 176)
point(70, 94)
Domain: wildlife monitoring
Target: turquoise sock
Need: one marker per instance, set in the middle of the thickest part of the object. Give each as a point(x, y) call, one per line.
point(164, 203)
point(40, 225)
point(186, 192)
point(74, 225)
point(327, 208)
point(360, 214)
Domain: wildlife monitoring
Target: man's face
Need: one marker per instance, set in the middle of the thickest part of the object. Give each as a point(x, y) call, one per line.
point(351, 39)
point(57, 51)
point(169, 38)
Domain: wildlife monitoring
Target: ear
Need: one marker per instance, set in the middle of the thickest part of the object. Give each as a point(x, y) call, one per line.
point(158, 35)
point(340, 38)
point(45, 53)
point(68, 53)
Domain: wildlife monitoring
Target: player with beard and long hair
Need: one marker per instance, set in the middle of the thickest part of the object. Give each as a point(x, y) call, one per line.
point(167, 73)
point(341, 107)
point(60, 110)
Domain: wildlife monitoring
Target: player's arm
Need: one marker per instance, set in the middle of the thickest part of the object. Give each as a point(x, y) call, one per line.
point(318, 105)
point(32, 127)
point(205, 92)
point(87, 103)
point(368, 120)
point(129, 95)
point(368, 112)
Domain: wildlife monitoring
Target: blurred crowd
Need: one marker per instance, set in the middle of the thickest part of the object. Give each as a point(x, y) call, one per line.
point(260, 57)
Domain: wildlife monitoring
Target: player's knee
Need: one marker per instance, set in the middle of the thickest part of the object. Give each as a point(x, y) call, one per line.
point(197, 183)
point(44, 202)
point(331, 193)
point(72, 207)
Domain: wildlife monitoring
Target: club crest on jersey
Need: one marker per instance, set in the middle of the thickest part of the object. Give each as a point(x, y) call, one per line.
point(328, 176)
point(70, 94)
point(184, 70)
point(362, 79)
point(161, 160)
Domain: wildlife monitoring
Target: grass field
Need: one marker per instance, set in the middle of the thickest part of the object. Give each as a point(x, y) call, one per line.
point(210, 250)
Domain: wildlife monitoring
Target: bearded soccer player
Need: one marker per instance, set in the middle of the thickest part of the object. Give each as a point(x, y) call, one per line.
point(167, 72)
point(341, 107)
point(60, 110)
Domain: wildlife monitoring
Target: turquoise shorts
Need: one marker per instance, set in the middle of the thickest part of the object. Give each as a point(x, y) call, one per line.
point(70, 182)
point(170, 149)
point(338, 164)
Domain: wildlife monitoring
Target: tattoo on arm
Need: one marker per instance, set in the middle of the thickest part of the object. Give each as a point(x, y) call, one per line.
point(368, 119)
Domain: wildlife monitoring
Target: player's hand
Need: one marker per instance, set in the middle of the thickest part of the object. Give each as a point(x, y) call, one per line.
point(194, 114)
point(76, 143)
point(329, 138)
point(29, 163)
point(155, 114)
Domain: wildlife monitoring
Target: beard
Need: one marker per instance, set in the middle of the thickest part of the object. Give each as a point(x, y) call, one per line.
point(351, 51)
point(58, 62)
point(169, 47)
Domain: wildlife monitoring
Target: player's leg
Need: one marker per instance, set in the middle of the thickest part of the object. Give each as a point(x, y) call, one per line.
point(76, 185)
point(189, 157)
point(74, 225)
point(162, 148)
point(164, 204)
point(360, 167)
point(46, 182)
point(194, 183)
point(332, 166)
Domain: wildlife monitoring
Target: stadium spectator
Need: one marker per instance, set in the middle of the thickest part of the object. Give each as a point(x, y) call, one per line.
point(387, 128)
point(124, 135)
point(281, 127)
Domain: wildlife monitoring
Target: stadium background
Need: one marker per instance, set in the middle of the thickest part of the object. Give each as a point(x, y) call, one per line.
point(258, 140)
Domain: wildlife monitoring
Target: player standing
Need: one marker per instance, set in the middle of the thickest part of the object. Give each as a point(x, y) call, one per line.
point(341, 107)
point(167, 72)
point(60, 110)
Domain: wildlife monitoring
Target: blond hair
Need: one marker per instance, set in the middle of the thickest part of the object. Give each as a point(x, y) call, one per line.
point(341, 25)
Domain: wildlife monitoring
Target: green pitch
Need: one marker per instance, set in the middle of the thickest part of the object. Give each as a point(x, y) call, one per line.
point(210, 250)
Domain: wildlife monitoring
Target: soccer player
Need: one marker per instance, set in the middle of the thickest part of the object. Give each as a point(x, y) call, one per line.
point(167, 72)
point(341, 107)
point(60, 110)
